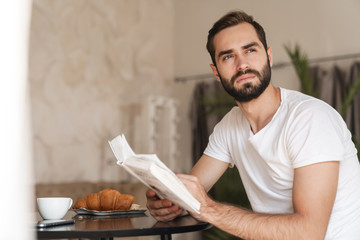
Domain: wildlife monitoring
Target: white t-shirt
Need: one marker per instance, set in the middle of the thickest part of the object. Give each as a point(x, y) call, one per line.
point(303, 131)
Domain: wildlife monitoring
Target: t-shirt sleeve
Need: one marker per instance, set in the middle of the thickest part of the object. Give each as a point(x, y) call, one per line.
point(316, 134)
point(218, 147)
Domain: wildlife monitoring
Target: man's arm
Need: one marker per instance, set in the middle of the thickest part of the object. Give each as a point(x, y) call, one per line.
point(207, 170)
point(314, 192)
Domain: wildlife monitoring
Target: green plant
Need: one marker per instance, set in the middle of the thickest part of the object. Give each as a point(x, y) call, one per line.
point(301, 64)
point(349, 97)
point(218, 105)
point(215, 233)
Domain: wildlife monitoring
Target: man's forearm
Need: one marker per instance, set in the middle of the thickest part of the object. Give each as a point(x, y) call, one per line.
point(250, 225)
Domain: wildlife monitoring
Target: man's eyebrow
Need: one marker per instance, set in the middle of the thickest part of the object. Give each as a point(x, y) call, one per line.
point(249, 45)
point(224, 52)
point(252, 44)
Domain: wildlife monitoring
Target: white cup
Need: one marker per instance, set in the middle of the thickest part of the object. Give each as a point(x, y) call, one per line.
point(53, 207)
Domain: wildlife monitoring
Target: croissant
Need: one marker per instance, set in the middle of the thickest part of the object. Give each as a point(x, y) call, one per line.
point(106, 200)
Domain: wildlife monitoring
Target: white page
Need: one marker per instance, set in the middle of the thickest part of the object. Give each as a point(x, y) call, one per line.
point(151, 171)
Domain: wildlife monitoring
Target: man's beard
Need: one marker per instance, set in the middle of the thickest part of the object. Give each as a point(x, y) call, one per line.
point(248, 91)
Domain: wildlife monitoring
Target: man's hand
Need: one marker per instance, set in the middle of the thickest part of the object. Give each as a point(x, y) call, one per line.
point(197, 190)
point(161, 209)
point(207, 171)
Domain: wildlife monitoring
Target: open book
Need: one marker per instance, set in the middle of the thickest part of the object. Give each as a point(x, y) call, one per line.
point(151, 171)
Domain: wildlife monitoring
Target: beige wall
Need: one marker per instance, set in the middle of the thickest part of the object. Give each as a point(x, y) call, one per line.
point(93, 64)
point(323, 28)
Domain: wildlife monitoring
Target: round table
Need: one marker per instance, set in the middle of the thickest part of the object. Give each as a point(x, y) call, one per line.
point(126, 225)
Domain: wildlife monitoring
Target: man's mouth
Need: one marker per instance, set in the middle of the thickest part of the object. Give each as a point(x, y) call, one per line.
point(244, 76)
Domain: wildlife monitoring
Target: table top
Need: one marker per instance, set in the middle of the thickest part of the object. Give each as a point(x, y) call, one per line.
point(140, 224)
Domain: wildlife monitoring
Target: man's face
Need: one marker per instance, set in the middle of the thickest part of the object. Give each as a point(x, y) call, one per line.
point(249, 90)
point(243, 64)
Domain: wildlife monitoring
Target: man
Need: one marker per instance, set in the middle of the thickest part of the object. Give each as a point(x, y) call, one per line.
point(294, 152)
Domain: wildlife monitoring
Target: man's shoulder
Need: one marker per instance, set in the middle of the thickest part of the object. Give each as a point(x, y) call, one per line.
point(234, 114)
point(300, 105)
point(234, 117)
point(293, 96)
point(299, 101)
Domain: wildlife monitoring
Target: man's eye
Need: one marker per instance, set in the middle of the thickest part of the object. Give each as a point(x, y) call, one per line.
point(250, 50)
point(227, 57)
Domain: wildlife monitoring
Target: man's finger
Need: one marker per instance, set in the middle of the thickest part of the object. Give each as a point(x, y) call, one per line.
point(164, 211)
point(156, 204)
point(150, 193)
point(168, 217)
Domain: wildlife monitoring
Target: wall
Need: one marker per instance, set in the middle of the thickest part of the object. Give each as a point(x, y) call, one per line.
point(93, 64)
point(322, 28)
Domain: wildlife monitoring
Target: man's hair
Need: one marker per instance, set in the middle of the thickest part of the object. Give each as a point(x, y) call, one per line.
point(231, 19)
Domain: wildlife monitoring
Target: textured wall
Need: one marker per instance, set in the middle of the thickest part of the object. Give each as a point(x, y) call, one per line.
point(92, 65)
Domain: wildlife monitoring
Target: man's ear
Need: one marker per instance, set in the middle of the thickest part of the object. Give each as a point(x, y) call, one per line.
point(215, 71)
point(269, 53)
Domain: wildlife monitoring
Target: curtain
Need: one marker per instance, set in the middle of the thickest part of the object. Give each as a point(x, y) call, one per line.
point(202, 122)
point(333, 85)
point(353, 114)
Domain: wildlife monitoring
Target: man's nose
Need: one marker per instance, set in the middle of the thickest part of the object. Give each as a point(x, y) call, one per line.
point(241, 64)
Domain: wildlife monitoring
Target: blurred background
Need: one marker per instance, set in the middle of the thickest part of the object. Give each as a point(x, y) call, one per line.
point(98, 69)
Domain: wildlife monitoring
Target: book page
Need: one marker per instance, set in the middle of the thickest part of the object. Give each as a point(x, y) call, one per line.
point(151, 171)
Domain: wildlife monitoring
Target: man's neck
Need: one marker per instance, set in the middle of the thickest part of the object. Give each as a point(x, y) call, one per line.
point(261, 110)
